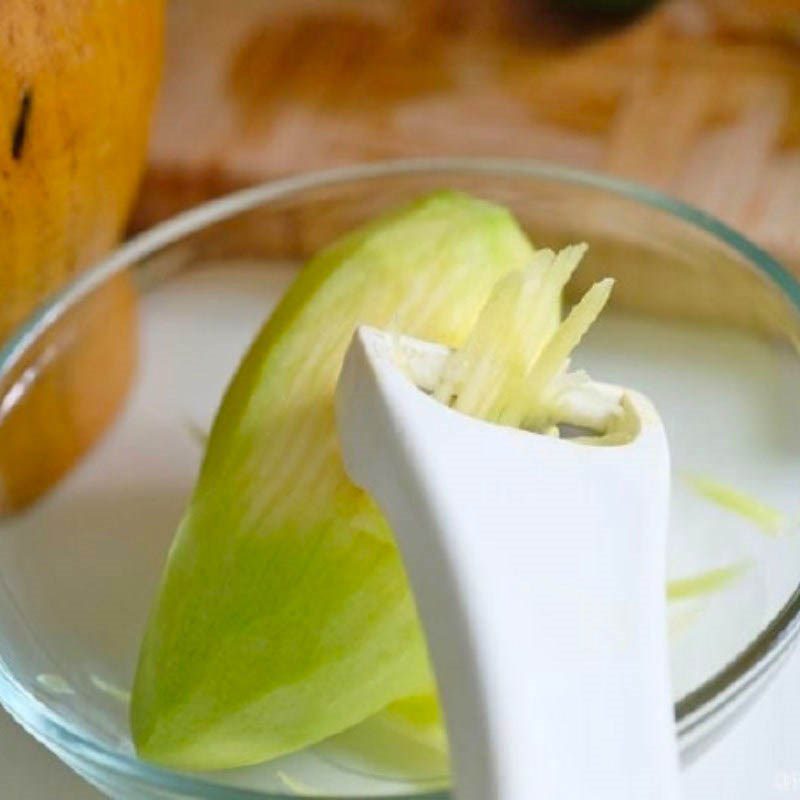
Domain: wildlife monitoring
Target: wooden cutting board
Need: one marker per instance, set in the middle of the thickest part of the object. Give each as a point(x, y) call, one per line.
point(260, 88)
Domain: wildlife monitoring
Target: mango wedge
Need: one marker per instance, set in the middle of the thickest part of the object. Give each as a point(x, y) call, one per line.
point(284, 616)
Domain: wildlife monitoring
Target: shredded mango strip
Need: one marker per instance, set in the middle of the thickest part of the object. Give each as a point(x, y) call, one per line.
point(705, 583)
point(768, 519)
point(535, 401)
point(516, 357)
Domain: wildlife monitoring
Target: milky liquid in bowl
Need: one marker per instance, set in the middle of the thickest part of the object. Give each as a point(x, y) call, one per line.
point(97, 545)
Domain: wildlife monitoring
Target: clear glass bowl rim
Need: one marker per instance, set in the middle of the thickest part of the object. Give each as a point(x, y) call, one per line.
point(729, 688)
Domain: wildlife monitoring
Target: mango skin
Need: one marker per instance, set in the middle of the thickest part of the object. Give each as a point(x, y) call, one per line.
point(78, 80)
point(285, 616)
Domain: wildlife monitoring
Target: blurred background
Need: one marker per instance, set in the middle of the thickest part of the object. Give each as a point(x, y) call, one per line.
point(700, 98)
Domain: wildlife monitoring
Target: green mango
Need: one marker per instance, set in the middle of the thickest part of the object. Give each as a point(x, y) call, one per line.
point(284, 615)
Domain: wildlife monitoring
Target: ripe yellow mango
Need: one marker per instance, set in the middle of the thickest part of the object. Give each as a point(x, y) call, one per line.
point(77, 83)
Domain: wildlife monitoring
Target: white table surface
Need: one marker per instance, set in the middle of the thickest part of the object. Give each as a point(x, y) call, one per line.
point(757, 760)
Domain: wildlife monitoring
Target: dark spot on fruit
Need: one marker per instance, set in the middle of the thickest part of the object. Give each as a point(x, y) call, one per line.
point(19, 134)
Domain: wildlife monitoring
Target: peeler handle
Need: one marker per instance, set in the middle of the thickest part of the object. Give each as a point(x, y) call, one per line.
point(538, 568)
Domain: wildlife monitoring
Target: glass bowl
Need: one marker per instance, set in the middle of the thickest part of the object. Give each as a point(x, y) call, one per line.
point(701, 320)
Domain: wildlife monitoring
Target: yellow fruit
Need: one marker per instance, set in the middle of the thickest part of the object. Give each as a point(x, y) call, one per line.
point(77, 84)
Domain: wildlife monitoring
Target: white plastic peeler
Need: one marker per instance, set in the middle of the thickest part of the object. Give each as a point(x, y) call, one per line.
point(538, 567)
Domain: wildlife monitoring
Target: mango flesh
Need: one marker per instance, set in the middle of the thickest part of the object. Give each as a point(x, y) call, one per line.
point(284, 616)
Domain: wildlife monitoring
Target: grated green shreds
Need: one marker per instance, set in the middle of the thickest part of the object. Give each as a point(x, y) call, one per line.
point(535, 405)
point(54, 683)
point(298, 787)
point(705, 583)
point(768, 519)
point(513, 366)
point(120, 695)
